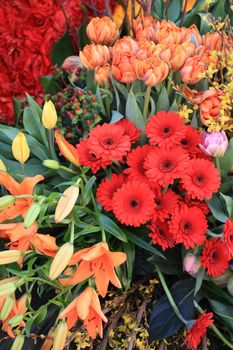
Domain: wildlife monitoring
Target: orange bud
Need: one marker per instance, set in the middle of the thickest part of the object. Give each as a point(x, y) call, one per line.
point(94, 56)
point(67, 150)
point(61, 260)
point(102, 74)
point(102, 31)
point(66, 203)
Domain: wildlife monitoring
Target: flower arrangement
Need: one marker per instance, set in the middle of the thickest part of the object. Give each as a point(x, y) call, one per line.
point(116, 208)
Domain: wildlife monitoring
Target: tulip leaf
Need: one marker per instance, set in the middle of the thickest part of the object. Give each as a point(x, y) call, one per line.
point(88, 190)
point(110, 226)
point(62, 49)
point(132, 111)
point(229, 204)
point(224, 311)
point(163, 103)
point(217, 208)
point(226, 162)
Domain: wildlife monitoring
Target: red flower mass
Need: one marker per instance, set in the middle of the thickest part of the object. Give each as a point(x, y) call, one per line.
point(107, 188)
point(188, 226)
point(135, 161)
point(198, 330)
point(190, 141)
point(161, 234)
point(201, 179)
point(165, 128)
point(129, 129)
point(165, 203)
point(133, 203)
point(228, 237)
point(214, 257)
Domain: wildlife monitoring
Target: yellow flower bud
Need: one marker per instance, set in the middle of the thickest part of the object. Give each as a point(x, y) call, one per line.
point(20, 148)
point(9, 256)
point(60, 336)
point(61, 260)
point(49, 115)
point(66, 203)
point(51, 164)
point(2, 166)
point(7, 289)
point(6, 201)
point(6, 308)
point(18, 342)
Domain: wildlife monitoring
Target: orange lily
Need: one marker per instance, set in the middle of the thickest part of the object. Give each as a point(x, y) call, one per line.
point(86, 307)
point(99, 262)
point(67, 150)
point(21, 205)
point(25, 239)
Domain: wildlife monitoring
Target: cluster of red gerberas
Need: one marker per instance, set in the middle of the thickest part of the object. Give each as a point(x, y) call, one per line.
point(162, 184)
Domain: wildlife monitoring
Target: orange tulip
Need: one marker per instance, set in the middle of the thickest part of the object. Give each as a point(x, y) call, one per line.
point(167, 33)
point(94, 56)
point(214, 41)
point(195, 97)
point(174, 55)
point(193, 67)
point(99, 262)
point(86, 307)
point(67, 150)
point(102, 30)
point(146, 48)
point(152, 71)
point(102, 74)
point(210, 109)
point(189, 48)
point(191, 35)
point(20, 205)
point(144, 27)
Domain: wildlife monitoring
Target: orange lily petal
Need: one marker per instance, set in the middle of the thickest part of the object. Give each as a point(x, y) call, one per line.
point(9, 183)
point(68, 309)
point(84, 301)
point(67, 150)
point(117, 258)
point(97, 250)
point(78, 256)
point(96, 305)
point(83, 272)
point(28, 184)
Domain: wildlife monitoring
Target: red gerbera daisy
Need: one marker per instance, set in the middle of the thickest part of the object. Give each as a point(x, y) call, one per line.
point(129, 129)
point(107, 188)
point(161, 234)
point(165, 165)
point(108, 142)
point(165, 128)
point(228, 237)
point(133, 203)
point(165, 203)
point(214, 257)
point(198, 330)
point(88, 158)
point(196, 203)
point(135, 161)
point(188, 226)
point(201, 179)
point(190, 141)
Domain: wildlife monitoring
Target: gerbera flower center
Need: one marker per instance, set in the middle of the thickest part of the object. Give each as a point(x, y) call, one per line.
point(108, 142)
point(167, 165)
point(134, 203)
point(186, 226)
point(167, 131)
point(184, 142)
point(158, 202)
point(213, 256)
point(199, 179)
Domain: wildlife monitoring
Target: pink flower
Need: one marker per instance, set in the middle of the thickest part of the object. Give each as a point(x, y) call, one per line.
point(191, 264)
point(214, 144)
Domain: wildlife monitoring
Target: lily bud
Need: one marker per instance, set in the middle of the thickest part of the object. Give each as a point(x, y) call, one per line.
point(191, 264)
point(61, 260)
point(6, 201)
point(60, 336)
point(6, 308)
point(18, 342)
point(67, 150)
point(32, 214)
point(7, 289)
point(16, 320)
point(49, 115)
point(14, 279)
point(66, 203)
point(9, 256)
point(20, 148)
point(2, 166)
point(51, 164)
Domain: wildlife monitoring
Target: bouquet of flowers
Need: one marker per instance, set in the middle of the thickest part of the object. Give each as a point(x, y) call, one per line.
point(116, 209)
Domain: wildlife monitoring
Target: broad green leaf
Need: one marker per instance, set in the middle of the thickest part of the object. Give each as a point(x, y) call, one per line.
point(116, 116)
point(174, 10)
point(224, 311)
point(226, 162)
point(132, 111)
point(88, 190)
point(34, 127)
point(110, 226)
point(229, 204)
point(217, 208)
point(163, 103)
point(83, 39)
point(62, 49)
point(49, 84)
point(36, 109)
point(143, 244)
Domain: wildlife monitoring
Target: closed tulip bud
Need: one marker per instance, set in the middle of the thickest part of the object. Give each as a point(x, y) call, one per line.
point(6, 308)
point(94, 56)
point(60, 336)
point(6, 201)
point(102, 74)
point(32, 214)
point(18, 342)
point(66, 203)
point(16, 320)
point(191, 264)
point(2, 166)
point(49, 115)
point(7, 289)
point(51, 164)
point(20, 148)
point(9, 256)
point(102, 30)
point(61, 260)
point(214, 144)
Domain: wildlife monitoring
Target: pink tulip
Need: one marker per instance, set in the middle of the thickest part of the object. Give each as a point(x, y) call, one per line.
point(191, 264)
point(214, 144)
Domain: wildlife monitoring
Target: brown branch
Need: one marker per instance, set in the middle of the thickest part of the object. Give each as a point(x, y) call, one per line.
point(108, 8)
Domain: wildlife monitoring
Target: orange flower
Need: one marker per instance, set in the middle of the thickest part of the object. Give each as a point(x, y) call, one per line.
point(102, 30)
point(144, 27)
point(214, 41)
point(152, 71)
point(146, 48)
point(67, 150)
point(102, 74)
point(193, 67)
point(20, 205)
point(167, 33)
point(94, 56)
point(86, 307)
point(189, 48)
point(191, 35)
point(174, 55)
point(194, 96)
point(210, 109)
point(99, 262)
point(24, 239)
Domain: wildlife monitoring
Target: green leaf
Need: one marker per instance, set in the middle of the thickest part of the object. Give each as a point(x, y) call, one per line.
point(34, 106)
point(199, 280)
point(143, 244)
point(174, 10)
point(229, 204)
point(62, 49)
point(163, 103)
point(49, 84)
point(34, 127)
point(110, 226)
point(132, 111)
point(83, 39)
point(88, 190)
point(224, 311)
point(17, 110)
point(226, 162)
point(116, 116)
point(217, 209)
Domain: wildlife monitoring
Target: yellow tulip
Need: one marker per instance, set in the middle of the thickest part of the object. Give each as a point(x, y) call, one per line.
point(2, 166)
point(66, 203)
point(60, 336)
point(61, 260)
point(20, 148)
point(49, 115)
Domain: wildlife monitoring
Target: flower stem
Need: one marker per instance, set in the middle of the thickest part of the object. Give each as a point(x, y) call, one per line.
point(215, 329)
point(169, 85)
point(103, 235)
point(217, 163)
point(51, 143)
point(72, 231)
point(169, 296)
point(146, 103)
point(67, 169)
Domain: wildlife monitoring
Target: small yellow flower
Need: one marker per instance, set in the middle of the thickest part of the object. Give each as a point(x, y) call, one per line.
point(184, 113)
point(49, 115)
point(61, 260)
point(20, 148)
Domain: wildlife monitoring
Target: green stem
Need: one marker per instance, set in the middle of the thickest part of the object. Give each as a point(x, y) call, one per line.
point(146, 103)
point(103, 235)
point(51, 143)
point(23, 168)
point(215, 329)
point(169, 84)
point(169, 296)
point(67, 169)
point(72, 231)
point(217, 163)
